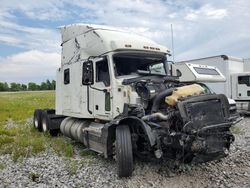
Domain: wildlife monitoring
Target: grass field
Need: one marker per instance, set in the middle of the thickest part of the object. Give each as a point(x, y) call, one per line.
point(17, 135)
point(18, 106)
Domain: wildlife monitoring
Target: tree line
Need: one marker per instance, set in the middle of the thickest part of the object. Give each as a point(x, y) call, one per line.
point(31, 86)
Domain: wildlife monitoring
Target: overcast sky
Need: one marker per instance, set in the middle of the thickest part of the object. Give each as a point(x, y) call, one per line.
point(30, 43)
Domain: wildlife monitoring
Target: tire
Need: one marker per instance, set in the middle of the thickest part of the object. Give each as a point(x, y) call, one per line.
point(124, 151)
point(37, 119)
point(46, 125)
point(45, 122)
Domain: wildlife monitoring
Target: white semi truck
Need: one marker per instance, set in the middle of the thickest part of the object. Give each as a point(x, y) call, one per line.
point(115, 93)
point(237, 73)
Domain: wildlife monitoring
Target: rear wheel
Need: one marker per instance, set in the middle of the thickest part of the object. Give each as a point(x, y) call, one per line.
point(37, 119)
point(47, 125)
point(124, 152)
point(45, 122)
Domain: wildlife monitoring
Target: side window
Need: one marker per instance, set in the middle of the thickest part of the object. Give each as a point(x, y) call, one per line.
point(206, 71)
point(102, 72)
point(66, 76)
point(244, 80)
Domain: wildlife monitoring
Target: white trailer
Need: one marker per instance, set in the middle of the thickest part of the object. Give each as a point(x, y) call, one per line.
point(237, 74)
point(116, 95)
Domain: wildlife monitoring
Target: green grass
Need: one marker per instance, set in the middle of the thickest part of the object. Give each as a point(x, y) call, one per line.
point(22, 141)
point(18, 106)
point(19, 138)
point(87, 153)
point(62, 147)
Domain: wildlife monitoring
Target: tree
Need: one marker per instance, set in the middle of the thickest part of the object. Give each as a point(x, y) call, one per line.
point(53, 84)
point(48, 85)
point(15, 86)
point(43, 86)
point(24, 87)
point(1, 86)
point(4, 86)
point(33, 86)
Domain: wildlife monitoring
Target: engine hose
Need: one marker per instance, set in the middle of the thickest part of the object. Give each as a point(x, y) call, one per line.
point(157, 115)
point(159, 97)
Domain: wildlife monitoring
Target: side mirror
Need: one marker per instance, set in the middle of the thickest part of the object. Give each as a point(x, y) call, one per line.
point(168, 67)
point(178, 73)
point(87, 73)
point(174, 71)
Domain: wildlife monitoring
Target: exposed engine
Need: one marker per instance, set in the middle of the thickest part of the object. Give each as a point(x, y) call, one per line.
point(190, 123)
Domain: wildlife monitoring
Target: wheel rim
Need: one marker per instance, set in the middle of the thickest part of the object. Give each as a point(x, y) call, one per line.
point(44, 127)
point(36, 122)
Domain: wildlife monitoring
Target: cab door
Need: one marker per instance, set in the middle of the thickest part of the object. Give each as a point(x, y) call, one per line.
point(101, 89)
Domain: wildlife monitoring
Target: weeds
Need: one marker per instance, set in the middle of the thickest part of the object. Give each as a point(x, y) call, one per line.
point(62, 147)
point(87, 162)
point(236, 130)
point(2, 166)
point(19, 138)
point(72, 167)
point(86, 153)
point(5, 140)
point(20, 141)
point(29, 142)
point(10, 132)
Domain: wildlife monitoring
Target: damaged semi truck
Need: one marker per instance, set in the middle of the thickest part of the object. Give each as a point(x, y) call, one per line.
point(118, 95)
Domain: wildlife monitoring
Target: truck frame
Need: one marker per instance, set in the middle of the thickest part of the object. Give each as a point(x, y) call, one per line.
point(115, 93)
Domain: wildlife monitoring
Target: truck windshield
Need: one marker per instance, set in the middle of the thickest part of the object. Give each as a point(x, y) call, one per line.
point(135, 64)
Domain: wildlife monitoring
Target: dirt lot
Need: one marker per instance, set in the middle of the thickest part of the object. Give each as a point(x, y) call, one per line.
point(84, 169)
point(233, 171)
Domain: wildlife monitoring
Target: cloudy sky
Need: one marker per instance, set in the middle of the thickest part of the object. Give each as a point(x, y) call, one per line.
point(30, 42)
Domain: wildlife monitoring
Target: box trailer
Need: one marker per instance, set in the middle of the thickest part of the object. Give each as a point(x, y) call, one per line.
point(237, 74)
point(116, 95)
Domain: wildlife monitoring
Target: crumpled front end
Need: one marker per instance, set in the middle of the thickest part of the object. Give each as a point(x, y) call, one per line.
point(207, 126)
point(190, 124)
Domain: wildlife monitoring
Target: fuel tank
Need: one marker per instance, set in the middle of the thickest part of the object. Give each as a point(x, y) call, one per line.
point(87, 132)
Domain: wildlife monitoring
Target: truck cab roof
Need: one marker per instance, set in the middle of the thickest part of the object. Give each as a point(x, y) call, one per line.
point(95, 40)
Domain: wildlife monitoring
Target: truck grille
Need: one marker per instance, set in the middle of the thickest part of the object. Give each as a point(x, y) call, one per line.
point(205, 110)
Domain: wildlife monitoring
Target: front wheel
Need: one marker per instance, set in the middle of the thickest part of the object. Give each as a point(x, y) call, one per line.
point(124, 152)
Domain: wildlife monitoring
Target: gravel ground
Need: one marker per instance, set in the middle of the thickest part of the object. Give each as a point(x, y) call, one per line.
point(50, 170)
